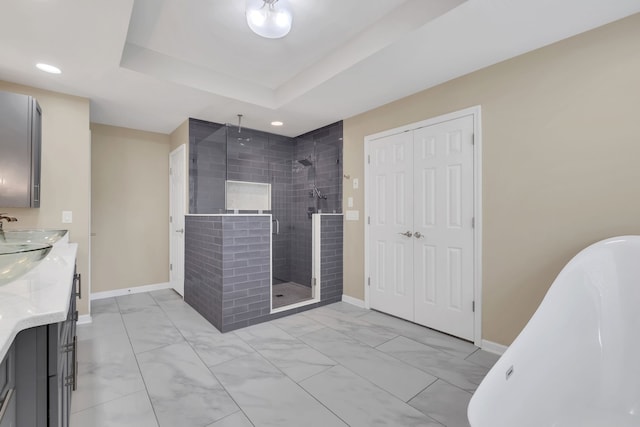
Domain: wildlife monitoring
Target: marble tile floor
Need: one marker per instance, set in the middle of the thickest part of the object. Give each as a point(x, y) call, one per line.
point(150, 360)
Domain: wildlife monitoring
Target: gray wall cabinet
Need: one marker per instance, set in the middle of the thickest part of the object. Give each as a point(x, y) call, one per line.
point(20, 148)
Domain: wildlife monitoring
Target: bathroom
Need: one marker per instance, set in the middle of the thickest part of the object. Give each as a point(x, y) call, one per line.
point(276, 198)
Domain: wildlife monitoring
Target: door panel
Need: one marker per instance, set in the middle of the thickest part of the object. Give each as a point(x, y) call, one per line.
point(423, 184)
point(448, 197)
point(391, 254)
point(176, 228)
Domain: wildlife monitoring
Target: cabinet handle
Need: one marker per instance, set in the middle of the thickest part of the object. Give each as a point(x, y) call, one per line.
point(78, 279)
point(418, 235)
point(75, 362)
point(407, 234)
point(5, 403)
point(36, 190)
point(68, 380)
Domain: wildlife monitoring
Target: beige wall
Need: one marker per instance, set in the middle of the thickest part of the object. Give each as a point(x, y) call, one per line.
point(65, 173)
point(561, 145)
point(130, 208)
point(180, 136)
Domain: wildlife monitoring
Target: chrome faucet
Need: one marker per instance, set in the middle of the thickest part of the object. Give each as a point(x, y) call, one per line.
point(5, 217)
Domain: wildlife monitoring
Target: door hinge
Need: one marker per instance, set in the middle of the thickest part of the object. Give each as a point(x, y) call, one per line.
point(369, 281)
point(170, 218)
point(368, 220)
point(170, 171)
point(369, 158)
point(315, 282)
point(170, 267)
point(473, 139)
point(473, 222)
point(473, 306)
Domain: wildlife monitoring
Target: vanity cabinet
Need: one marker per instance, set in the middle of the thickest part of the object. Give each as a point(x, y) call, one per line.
point(7, 390)
point(20, 151)
point(46, 370)
point(62, 364)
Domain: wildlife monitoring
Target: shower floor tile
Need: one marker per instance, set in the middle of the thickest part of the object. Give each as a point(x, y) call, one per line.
point(153, 361)
point(288, 293)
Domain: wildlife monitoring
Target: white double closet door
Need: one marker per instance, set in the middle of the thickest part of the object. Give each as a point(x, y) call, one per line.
point(420, 192)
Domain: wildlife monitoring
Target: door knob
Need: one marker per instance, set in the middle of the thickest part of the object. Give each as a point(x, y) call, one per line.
point(407, 233)
point(418, 235)
point(180, 230)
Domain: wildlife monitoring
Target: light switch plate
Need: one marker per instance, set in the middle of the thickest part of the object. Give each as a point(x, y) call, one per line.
point(67, 217)
point(356, 183)
point(353, 215)
point(350, 202)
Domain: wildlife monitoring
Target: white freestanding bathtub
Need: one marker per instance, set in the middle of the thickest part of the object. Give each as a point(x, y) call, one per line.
point(577, 362)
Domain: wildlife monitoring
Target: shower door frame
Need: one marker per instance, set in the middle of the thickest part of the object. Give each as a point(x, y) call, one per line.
point(315, 253)
point(315, 270)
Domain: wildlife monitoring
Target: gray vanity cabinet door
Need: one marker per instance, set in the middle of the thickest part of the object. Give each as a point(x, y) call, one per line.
point(7, 390)
point(32, 377)
point(8, 416)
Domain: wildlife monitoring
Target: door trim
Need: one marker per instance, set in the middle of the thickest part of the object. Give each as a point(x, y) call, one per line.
point(476, 112)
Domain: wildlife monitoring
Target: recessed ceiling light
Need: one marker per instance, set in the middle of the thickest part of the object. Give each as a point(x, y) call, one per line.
point(48, 68)
point(276, 123)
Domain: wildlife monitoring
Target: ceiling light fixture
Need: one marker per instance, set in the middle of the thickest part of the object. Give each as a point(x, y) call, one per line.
point(276, 123)
point(48, 68)
point(269, 18)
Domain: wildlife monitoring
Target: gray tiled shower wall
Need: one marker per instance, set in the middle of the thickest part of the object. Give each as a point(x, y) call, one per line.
point(331, 261)
point(219, 152)
point(227, 271)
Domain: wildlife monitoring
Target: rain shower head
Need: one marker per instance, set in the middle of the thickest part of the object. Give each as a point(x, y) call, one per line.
point(305, 162)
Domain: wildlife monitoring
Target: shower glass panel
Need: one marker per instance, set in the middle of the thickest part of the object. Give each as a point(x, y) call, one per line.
point(207, 167)
point(291, 241)
point(281, 220)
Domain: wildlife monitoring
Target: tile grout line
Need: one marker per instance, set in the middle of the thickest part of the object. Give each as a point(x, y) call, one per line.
point(440, 379)
point(425, 371)
point(190, 344)
point(146, 389)
point(372, 383)
point(291, 379)
point(403, 362)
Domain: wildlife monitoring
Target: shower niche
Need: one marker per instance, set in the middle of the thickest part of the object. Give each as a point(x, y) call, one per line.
point(271, 196)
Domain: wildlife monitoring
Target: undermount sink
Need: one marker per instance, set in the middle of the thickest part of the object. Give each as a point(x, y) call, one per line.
point(31, 236)
point(17, 259)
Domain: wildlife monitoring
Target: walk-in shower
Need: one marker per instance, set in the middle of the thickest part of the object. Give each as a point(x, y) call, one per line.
point(237, 170)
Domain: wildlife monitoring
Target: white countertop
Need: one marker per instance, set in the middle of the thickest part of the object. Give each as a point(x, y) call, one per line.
point(39, 297)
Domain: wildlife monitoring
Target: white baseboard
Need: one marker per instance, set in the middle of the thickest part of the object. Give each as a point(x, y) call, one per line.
point(84, 319)
point(493, 347)
point(129, 291)
point(353, 301)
